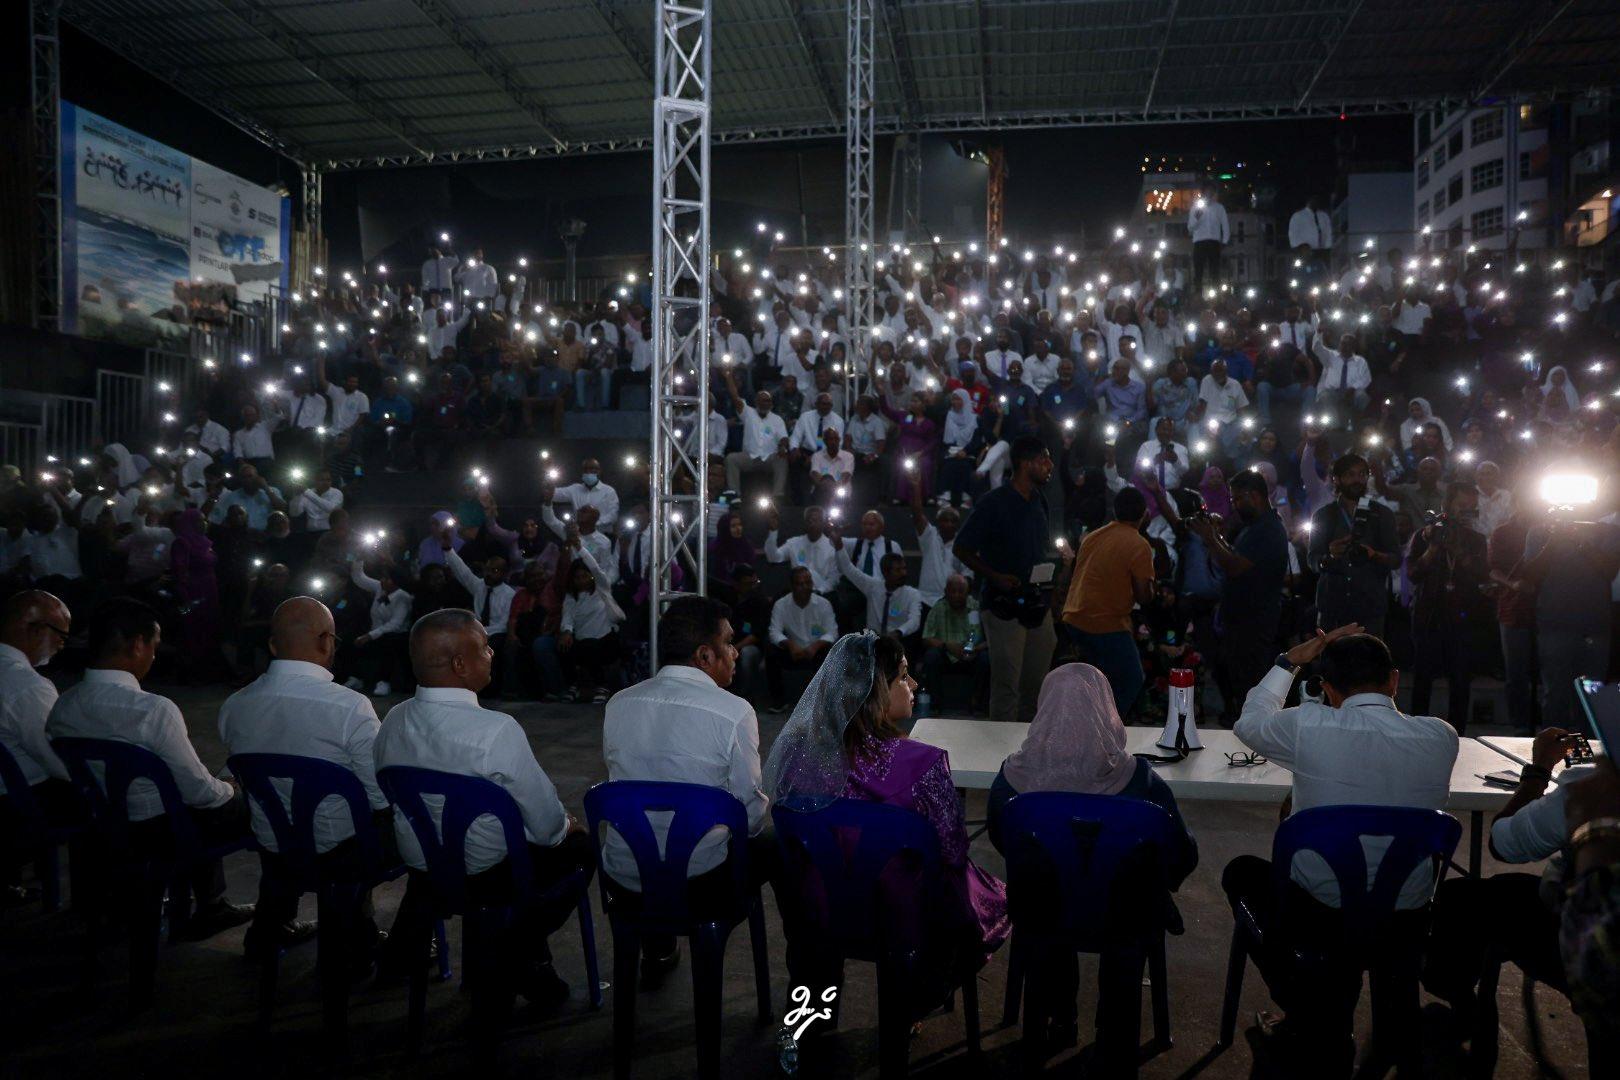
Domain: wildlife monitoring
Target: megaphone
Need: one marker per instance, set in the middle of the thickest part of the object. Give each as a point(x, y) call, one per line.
point(1180, 726)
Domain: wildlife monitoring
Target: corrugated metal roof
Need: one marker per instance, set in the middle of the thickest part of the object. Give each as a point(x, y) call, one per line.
point(343, 81)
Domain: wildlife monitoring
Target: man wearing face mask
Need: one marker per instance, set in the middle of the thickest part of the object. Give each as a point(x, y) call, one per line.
point(591, 491)
point(1353, 550)
point(34, 626)
point(1448, 564)
point(1255, 564)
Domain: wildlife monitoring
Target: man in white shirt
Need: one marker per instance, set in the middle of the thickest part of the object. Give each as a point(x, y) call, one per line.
point(765, 443)
point(591, 491)
point(998, 359)
point(295, 708)
point(812, 549)
point(443, 728)
point(34, 626)
point(1412, 316)
point(683, 726)
point(251, 442)
point(803, 627)
point(1495, 501)
point(438, 274)
point(315, 504)
point(1345, 375)
point(939, 562)
point(810, 429)
point(1162, 338)
point(1210, 232)
point(1355, 747)
point(479, 281)
point(1222, 395)
point(257, 499)
point(442, 331)
point(110, 704)
point(375, 655)
point(832, 467)
point(492, 602)
point(211, 435)
point(1312, 229)
point(51, 548)
point(1040, 366)
point(893, 608)
point(349, 404)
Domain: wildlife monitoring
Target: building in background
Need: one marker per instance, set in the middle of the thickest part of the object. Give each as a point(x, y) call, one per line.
point(1170, 186)
point(1372, 211)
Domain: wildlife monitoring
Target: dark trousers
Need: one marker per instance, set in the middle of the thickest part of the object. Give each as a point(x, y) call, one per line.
point(590, 661)
point(1443, 651)
point(778, 662)
point(1206, 265)
point(1320, 1000)
point(709, 891)
point(936, 662)
point(623, 377)
point(378, 660)
point(63, 807)
point(1476, 920)
point(278, 895)
point(956, 477)
point(1245, 650)
point(1115, 655)
point(215, 826)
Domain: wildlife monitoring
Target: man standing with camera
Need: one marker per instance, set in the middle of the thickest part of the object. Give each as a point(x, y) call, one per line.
point(1448, 565)
point(1353, 548)
point(1007, 535)
point(1571, 564)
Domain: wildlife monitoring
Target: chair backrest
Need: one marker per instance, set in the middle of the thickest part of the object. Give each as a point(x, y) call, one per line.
point(122, 764)
point(696, 810)
point(857, 873)
point(1089, 868)
point(464, 799)
point(1335, 833)
point(24, 807)
point(312, 781)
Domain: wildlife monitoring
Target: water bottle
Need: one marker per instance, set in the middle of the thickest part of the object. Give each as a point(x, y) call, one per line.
point(787, 1051)
point(925, 701)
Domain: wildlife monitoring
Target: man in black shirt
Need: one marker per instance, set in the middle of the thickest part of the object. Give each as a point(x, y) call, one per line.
point(1447, 563)
point(1353, 559)
point(751, 621)
point(1255, 565)
point(1006, 537)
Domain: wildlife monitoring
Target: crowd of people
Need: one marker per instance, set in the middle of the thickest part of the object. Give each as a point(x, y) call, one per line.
point(1397, 462)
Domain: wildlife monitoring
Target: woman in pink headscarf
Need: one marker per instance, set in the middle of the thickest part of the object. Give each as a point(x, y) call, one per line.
point(1076, 743)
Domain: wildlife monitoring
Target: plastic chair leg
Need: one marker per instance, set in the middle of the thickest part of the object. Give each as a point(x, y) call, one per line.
point(762, 959)
point(1160, 992)
point(708, 961)
point(1015, 982)
point(338, 925)
point(416, 1011)
point(442, 940)
point(269, 972)
point(970, 1011)
point(1119, 1028)
point(1235, 963)
point(488, 975)
point(1484, 1042)
point(587, 937)
point(145, 916)
point(48, 871)
point(895, 976)
point(626, 973)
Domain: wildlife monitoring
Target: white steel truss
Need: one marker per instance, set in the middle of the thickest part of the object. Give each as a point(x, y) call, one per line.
point(680, 280)
point(45, 87)
point(860, 115)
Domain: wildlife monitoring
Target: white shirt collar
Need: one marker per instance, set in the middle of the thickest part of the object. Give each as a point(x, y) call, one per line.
point(14, 655)
point(687, 673)
point(113, 676)
point(1369, 699)
point(446, 695)
point(301, 668)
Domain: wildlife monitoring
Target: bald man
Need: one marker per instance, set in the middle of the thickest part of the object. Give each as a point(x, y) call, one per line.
point(34, 626)
point(442, 727)
point(296, 708)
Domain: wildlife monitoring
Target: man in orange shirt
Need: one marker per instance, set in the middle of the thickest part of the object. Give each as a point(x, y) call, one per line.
point(1112, 574)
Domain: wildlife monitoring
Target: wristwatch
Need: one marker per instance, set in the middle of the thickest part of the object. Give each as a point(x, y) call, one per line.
point(1286, 664)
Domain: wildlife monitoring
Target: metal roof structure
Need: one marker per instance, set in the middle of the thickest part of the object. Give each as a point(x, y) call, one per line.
point(344, 84)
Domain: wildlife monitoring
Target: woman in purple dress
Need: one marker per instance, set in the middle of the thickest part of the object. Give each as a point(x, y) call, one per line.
point(844, 741)
point(917, 438)
point(192, 562)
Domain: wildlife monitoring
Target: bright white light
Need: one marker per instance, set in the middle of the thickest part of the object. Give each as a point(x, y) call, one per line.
point(1569, 489)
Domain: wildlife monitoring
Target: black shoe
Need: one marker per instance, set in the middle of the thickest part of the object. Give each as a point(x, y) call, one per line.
point(393, 966)
point(655, 968)
point(293, 932)
point(216, 920)
point(544, 989)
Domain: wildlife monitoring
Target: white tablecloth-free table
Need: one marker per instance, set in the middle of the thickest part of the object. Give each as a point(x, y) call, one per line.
point(978, 747)
point(1517, 749)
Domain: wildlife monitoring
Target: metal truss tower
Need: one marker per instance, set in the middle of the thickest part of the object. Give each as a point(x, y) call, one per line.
point(45, 99)
point(680, 281)
point(860, 115)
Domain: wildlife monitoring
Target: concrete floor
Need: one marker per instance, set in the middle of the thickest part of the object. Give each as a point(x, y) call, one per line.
point(60, 1021)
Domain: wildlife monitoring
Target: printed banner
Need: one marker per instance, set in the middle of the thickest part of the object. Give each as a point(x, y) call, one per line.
point(154, 240)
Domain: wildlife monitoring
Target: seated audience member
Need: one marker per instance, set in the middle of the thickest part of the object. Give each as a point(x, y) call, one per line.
point(110, 704)
point(751, 624)
point(893, 608)
point(316, 503)
point(492, 601)
point(936, 541)
point(1354, 747)
point(588, 635)
point(377, 655)
point(954, 639)
point(295, 708)
point(831, 468)
point(592, 491)
point(729, 552)
point(1077, 744)
point(802, 628)
point(443, 728)
point(844, 741)
point(682, 726)
point(765, 442)
point(34, 627)
point(812, 549)
point(532, 632)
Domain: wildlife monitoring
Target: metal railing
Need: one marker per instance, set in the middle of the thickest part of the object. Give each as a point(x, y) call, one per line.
point(124, 404)
point(20, 445)
point(68, 424)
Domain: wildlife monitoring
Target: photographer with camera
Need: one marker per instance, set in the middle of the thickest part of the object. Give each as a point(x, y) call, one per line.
point(1571, 565)
point(1353, 548)
point(1448, 565)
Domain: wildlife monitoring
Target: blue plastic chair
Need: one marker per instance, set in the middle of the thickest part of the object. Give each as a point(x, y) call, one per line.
point(1335, 833)
point(465, 799)
point(664, 906)
point(149, 869)
point(1085, 873)
point(338, 896)
point(32, 832)
point(855, 880)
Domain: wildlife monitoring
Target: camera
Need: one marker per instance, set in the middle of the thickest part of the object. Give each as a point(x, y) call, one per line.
point(1438, 522)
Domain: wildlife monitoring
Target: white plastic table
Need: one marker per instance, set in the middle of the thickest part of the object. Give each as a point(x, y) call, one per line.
point(1517, 748)
point(978, 747)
